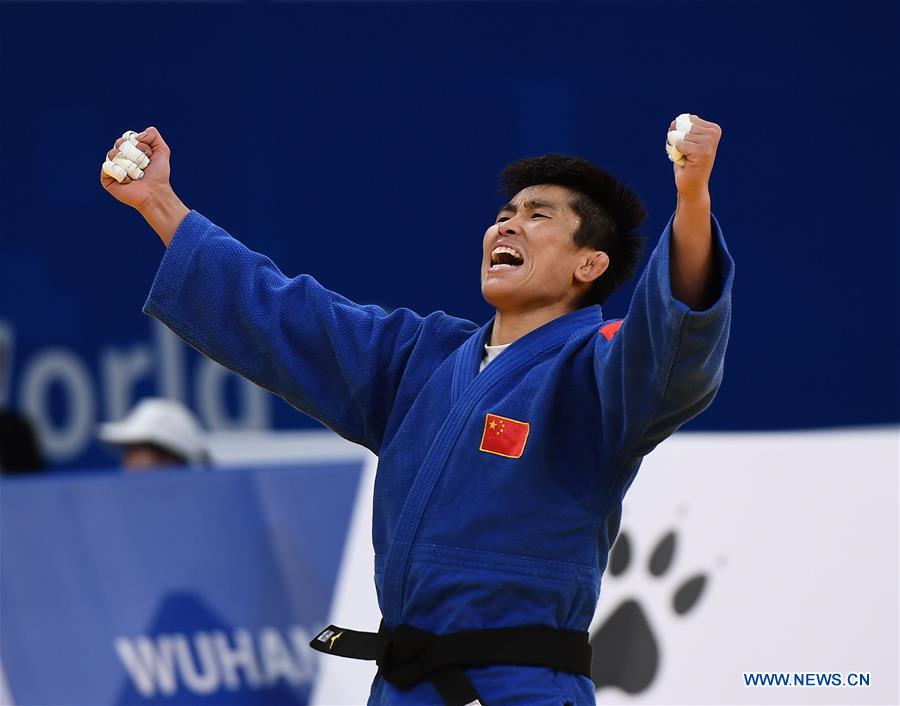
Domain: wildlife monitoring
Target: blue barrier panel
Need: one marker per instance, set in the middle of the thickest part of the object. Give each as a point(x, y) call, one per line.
point(170, 587)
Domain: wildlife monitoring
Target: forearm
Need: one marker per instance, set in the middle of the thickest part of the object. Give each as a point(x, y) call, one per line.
point(678, 352)
point(692, 254)
point(164, 212)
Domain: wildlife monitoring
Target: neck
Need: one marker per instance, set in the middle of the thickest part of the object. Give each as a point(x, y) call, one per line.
point(512, 325)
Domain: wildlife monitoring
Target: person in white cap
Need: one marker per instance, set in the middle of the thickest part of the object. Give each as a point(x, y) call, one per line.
point(157, 432)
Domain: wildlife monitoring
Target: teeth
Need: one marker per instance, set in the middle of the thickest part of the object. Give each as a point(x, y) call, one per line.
point(505, 249)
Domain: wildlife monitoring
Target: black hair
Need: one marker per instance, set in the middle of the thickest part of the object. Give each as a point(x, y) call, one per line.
point(610, 213)
point(19, 448)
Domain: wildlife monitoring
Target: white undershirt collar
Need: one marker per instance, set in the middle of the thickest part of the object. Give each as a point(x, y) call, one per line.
point(491, 352)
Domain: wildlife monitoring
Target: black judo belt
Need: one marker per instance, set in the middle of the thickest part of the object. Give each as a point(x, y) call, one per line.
point(409, 656)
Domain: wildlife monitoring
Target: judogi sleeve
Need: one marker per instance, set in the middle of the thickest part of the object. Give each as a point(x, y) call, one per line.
point(338, 361)
point(664, 364)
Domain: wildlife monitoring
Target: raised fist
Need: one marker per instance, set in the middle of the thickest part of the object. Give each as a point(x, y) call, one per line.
point(151, 178)
point(692, 144)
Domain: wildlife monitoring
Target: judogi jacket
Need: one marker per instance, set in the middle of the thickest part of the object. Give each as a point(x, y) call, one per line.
point(494, 489)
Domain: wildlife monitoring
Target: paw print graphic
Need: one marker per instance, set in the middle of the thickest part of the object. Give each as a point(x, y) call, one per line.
point(626, 650)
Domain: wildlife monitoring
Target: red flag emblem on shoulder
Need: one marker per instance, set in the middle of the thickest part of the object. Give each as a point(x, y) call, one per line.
point(504, 436)
point(610, 329)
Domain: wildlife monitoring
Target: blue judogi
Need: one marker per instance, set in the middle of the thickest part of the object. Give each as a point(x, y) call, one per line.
point(464, 538)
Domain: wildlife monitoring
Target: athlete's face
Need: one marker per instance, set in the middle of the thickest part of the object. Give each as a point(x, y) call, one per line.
point(529, 257)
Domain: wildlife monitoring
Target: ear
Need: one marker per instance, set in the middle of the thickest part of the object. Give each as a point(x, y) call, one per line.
point(591, 265)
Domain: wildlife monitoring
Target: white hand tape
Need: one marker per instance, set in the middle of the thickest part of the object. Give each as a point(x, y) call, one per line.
point(133, 170)
point(115, 171)
point(131, 136)
point(131, 152)
point(674, 137)
point(683, 122)
point(675, 155)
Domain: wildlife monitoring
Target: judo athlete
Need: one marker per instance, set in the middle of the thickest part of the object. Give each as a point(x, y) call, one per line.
point(499, 485)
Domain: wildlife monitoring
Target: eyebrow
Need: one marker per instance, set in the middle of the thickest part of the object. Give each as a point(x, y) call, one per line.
point(530, 204)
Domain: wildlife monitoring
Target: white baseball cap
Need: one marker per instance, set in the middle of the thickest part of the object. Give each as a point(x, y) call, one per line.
point(166, 423)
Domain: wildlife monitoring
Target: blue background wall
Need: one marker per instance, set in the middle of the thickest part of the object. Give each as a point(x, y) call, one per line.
point(360, 142)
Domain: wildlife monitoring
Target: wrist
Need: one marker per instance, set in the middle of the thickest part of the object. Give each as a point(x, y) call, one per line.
point(694, 200)
point(164, 212)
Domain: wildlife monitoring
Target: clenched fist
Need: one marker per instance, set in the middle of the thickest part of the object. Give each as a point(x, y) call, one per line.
point(137, 192)
point(151, 195)
point(698, 148)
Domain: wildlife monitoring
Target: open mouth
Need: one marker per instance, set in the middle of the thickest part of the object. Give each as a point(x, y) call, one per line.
point(504, 257)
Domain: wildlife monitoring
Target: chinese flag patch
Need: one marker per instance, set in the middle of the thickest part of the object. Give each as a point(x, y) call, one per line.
point(503, 436)
point(610, 329)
